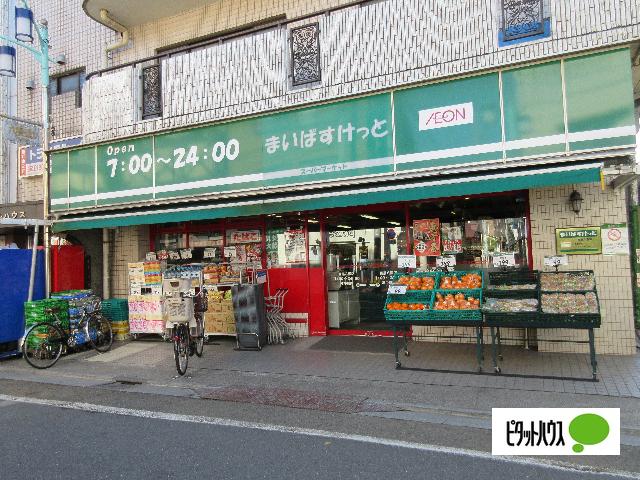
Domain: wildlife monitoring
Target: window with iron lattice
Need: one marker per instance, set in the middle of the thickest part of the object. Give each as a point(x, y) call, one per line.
point(305, 54)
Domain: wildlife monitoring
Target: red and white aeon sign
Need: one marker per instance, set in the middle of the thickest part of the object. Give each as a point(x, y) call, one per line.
point(448, 116)
point(29, 161)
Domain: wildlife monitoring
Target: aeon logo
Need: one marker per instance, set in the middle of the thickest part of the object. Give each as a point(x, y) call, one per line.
point(447, 116)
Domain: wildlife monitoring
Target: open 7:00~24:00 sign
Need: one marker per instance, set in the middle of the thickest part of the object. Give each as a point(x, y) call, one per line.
point(181, 157)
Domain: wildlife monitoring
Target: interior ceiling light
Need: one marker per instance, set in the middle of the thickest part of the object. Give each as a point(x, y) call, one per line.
point(344, 226)
point(370, 217)
point(312, 221)
point(394, 223)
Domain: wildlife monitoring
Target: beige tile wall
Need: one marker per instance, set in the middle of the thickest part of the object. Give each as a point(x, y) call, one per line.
point(550, 210)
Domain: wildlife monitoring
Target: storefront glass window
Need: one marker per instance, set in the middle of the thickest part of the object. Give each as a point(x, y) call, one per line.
point(243, 247)
point(286, 242)
point(472, 229)
point(362, 252)
point(171, 241)
point(315, 241)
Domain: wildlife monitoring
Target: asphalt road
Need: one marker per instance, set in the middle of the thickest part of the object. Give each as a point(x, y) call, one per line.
point(88, 441)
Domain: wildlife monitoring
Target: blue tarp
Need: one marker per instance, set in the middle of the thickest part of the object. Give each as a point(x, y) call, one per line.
point(15, 267)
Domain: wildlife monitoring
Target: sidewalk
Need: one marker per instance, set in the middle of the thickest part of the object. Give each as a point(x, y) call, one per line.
point(438, 382)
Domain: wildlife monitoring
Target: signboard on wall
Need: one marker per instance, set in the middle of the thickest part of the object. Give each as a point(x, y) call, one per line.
point(578, 241)
point(615, 239)
point(30, 156)
point(457, 122)
point(426, 237)
point(29, 161)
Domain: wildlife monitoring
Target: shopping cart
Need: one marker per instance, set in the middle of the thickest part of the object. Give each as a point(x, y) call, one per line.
point(278, 328)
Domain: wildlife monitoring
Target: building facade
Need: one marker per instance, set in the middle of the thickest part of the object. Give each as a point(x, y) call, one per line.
point(331, 128)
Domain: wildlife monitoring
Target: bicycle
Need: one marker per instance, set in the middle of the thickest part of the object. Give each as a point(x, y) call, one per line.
point(185, 344)
point(44, 342)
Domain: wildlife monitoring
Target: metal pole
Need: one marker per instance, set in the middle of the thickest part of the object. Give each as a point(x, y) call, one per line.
point(44, 77)
point(34, 259)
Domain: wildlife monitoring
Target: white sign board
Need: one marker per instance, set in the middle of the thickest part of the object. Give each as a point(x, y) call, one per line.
point(209, 253)
point(447, 116)
point(230, 252)
point(615, 239)
point(446, 261)
point(504, 260)
point(185, 254)
point(397, 289)
point(555, 260)
point(406, 261)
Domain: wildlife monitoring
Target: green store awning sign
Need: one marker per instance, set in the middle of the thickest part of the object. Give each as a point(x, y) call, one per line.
point(578, 241)
point(476, 120)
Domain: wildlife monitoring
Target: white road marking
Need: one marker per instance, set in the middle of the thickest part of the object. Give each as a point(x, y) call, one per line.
point(224, 422)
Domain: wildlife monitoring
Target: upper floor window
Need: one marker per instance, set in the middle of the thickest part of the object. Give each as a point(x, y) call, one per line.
point(69, 82)
point(305, 54)
point(523, 20)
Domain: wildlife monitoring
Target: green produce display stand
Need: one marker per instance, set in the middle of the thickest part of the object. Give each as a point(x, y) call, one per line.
point(539, 318)
point(403, 320)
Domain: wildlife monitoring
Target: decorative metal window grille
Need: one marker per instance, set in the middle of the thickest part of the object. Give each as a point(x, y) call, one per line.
point(522, 18)
point(151, 92)
point(305, 54)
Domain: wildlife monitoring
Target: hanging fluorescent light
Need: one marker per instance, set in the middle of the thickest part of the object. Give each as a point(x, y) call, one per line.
point(7, 61)
point(312, 221)
point(370, 217)
point(344, 226)
point(397, 224)
point(24, 25)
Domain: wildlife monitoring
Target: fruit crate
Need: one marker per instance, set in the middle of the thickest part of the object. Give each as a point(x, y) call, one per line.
point(456, 315)
point(496, 282)
point(434, 275)
point(424, 297)
point(459, 274)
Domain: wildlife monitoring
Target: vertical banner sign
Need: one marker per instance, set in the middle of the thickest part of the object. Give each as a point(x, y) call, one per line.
point(29, 161)
point(426, 237)
point(615, 239)
point(451, 239)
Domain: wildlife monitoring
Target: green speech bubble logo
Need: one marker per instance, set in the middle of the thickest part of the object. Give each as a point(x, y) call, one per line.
point(588, 429)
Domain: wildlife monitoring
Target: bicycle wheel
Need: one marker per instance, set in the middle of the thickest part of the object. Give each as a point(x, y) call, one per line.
point(199, 335)
point(98, 330)
point(43, 345)
point(181, 348)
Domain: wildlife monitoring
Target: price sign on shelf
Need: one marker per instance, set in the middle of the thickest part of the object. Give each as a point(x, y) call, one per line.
point(186, 254)
point(173, 255)
point(446, 261)
point(209, 253)
point(230, 252)
point(504, 260)
point(397, 289)
point(406, 261)
point(151, 256)
point(555, 260)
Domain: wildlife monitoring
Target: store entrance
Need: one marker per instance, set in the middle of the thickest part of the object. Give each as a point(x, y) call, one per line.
point(362, 253)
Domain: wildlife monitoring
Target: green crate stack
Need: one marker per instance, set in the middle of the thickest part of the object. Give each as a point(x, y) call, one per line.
point(36, 312)
point(116, 310)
